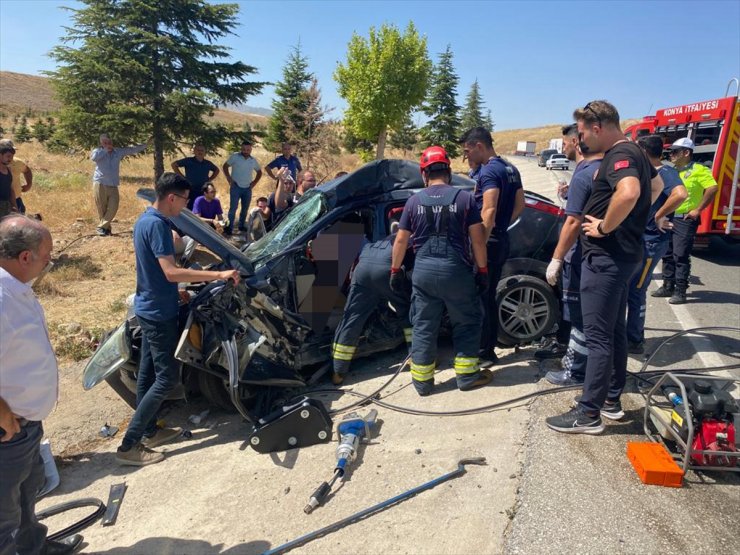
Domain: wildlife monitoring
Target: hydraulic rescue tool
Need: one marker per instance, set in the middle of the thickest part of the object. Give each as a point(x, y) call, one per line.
point(351, 430)
point(459, 471)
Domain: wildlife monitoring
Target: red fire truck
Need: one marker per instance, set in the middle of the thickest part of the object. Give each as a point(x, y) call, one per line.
point(714, 126)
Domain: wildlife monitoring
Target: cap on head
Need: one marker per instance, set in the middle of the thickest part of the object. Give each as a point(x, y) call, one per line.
point(682, 143)
point(6, 142)
point(434, 158)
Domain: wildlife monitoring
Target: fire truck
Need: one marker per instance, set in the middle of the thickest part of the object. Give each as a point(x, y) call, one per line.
point(714, 126)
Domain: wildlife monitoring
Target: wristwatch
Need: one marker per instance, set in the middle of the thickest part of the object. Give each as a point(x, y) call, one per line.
point(600, 230)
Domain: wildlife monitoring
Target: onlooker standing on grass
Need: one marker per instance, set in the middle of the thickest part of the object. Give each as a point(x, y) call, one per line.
point(106, 179)
point(198, 172)
point(29, 387)
point(286, 160)
point(657, 237)
point(245, 174)
point(702, 188)
point(19, 168)
point(615, 218)
point(156, 307)
point(568, 257)
point(7, 195)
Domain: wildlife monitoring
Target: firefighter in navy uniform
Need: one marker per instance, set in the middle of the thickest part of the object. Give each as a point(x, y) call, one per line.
point(445, 224)
point(369, 288)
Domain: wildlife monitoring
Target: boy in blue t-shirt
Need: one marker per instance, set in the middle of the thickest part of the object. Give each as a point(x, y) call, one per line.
point(156, 306)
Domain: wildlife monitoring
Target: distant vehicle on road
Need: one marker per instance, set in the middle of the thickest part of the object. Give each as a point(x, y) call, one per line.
point(525, 148)
point(545, 156)
point(557, 161)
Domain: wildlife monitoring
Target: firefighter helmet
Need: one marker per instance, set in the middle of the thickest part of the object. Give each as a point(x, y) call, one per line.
point(434, 158)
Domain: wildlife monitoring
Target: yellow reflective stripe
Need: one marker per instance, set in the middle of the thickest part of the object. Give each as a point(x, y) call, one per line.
point(407, 332)
point(422, 376)
point(645, 269)
point(342, 356)
point(339, 348)
point(471, 370)
point(466, 365)
point(423, 367)
point(465, 361)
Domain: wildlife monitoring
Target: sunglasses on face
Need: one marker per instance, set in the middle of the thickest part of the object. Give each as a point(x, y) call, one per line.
point(588, 108)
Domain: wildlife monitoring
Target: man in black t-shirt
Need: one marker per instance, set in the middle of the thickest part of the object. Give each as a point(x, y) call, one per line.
point(615, 217)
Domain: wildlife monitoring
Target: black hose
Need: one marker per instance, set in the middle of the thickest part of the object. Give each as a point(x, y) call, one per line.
point(80, 524)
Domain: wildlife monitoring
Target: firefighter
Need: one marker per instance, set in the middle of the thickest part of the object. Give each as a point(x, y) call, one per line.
point(445, 224)
point(368, 289)
point(702, 188)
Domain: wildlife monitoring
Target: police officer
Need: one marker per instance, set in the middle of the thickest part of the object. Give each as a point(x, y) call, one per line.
point(702, 188)
point(445, 224)
point(368, 289)
point(499, 198)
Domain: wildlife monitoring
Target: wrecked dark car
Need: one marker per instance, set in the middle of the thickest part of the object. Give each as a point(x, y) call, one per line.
point(240, 344)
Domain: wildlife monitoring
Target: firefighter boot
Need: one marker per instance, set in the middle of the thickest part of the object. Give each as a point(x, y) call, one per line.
point(679, 296)
point(665, 290)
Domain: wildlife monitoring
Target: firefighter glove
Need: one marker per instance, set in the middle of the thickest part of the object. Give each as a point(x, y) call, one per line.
point(398, 280)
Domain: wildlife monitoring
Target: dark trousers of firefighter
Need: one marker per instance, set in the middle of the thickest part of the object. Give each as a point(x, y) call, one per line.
point(439, 283)
point(604, 283)
point(498, 251)
point(369, 289)
point(652, 251)
point(677, 260)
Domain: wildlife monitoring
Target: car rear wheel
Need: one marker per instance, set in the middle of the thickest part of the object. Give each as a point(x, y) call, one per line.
point(527, 309)
point(215, 390)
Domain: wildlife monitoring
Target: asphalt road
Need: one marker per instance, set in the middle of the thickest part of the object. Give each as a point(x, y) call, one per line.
point(579, 493)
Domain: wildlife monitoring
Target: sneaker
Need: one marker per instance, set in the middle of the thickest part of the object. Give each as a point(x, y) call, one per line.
point(337, 379)
point(138, 455)
point(575, 421)
point(484, 378)
point(612, 411)
point(678, 297)
point(551, 350)
point(663, 291)
point(562, 377)
point(636, 348)
point(162, 435)
point(101, 231)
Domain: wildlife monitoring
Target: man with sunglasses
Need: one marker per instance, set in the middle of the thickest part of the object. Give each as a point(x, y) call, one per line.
point(615, 217)
point(156, 305)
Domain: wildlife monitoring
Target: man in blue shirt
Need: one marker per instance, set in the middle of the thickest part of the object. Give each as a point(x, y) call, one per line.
point(499, 197)
point(106, 179)
point(156, 305)
point(445, 224)
point(285, 160)
point(567, 256)
point(198, 171)
point(655, 240)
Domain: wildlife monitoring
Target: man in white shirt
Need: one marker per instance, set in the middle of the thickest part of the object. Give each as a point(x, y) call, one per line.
point(242, 171)
point(29, 386)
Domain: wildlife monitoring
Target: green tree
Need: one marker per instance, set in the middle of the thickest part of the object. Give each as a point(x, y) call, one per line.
point(488, 121)
point(441, 107)
point(305, 125)
point(472, 112)
point(22, 132)
point(40, 131)
point(384, 78)
point(139, 69)
point(290, 101)
point(406, 136)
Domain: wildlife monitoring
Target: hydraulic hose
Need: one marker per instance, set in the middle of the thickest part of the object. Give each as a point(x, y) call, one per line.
point(68, 506)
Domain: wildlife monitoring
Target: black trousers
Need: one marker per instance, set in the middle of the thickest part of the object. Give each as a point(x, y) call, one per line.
point(604, 285)
point(498, 251)
point(677, 260)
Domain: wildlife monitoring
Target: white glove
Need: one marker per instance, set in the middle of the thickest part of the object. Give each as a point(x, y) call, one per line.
point(553, 271)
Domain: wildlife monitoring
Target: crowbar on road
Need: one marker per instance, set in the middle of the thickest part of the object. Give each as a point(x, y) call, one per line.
point(459, 471)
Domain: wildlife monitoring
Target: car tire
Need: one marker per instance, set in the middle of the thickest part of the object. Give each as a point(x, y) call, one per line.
point(116, 384)
point(214, 389)
point(527, 308)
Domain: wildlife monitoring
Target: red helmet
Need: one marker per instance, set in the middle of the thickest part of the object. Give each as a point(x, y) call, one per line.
point(432, 156)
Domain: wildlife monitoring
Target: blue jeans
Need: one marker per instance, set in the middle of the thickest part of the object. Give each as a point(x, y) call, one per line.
point(652, 252)
point(236, 194)
point(604, 284)
point(159, 373)
point(21, 478)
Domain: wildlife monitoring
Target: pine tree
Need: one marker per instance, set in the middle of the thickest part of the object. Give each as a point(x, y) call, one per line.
point(290, 101)
point(22, 132)
point(305, 124)
point(406, 137)
point(441, 107)
point(40, 131)
point(488, 121)
point(137, 69)
point(472, 113)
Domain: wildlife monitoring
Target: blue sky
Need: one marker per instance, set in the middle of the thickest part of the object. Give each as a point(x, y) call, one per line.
point(535, 61)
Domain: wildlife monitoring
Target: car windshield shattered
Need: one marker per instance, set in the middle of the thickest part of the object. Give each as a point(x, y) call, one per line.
point(298, 220)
